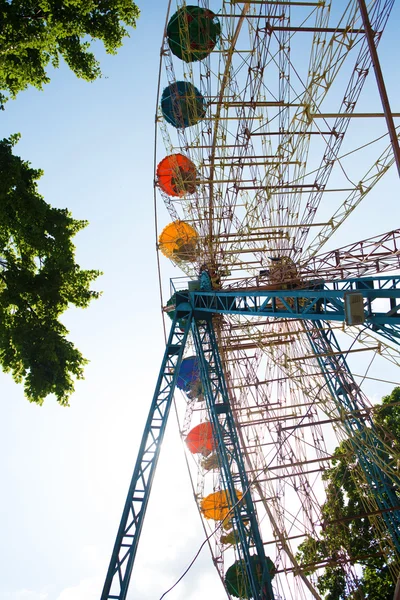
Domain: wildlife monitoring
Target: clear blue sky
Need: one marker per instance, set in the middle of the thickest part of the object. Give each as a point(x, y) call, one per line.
point(65, 472)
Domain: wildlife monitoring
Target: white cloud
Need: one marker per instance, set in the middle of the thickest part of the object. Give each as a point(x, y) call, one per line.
point(208, 586)
point(153, 574)
point(25, 595)
point(91, 558)
point(87, 589)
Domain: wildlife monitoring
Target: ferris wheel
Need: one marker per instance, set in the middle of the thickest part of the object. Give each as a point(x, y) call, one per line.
point(273, 125)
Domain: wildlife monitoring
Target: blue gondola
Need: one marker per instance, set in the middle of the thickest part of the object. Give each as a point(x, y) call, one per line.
point(182, 104)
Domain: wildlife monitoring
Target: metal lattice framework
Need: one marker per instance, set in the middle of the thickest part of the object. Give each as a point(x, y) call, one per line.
point(297, 132)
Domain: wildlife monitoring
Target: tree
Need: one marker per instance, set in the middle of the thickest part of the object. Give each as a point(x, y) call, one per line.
point(39, 279)
point(347, 536)
point(36, 33)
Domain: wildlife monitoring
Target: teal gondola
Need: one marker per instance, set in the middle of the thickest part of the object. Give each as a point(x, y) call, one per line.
point(182, 105)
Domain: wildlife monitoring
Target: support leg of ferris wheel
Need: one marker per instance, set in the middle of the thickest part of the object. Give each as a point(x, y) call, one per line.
point(367, 443)
point(243, 514)
point(126, 543)
point(234, 476)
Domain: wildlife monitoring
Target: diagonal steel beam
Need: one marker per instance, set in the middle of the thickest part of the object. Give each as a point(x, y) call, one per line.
point(127, 540)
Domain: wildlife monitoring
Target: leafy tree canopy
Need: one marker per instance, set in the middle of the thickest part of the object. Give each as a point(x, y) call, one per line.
point(34, 33)
point(39, 279)
point(347, 536)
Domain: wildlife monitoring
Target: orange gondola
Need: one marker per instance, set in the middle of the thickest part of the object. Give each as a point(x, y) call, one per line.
point(176, 175)
point(178, 241)
point(216, 506)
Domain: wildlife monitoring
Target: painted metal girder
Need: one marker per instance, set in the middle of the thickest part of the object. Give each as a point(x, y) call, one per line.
point(320, 301)
point(243, 516)
point(127, 540)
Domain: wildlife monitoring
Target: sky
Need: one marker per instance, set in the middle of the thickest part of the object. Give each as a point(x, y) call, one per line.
point(65, 471)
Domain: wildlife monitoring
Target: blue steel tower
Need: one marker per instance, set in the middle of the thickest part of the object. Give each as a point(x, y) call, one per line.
point(276, 125)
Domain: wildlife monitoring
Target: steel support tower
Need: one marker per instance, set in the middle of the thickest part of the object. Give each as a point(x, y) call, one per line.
point(314, 304)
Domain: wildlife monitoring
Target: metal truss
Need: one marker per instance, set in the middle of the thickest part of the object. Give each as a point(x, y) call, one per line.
point(320, 301)
point(371, 256)
point(243, 514)
point(233, 471)
point(389, 331)
point(126, 543)
point(366, 257)
point(382, 478)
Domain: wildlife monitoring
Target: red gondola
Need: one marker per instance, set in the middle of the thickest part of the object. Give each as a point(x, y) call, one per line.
point(176, 175)
point(200, 439)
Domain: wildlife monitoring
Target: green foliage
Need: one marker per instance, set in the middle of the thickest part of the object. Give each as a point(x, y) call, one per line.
point(377, 583)
point(347, 535)
point(39, 279)
point(34, 34)
point(388, 415)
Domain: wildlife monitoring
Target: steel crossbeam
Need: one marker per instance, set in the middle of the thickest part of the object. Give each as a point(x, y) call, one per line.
point(234, 476)
point(126, 543)
point(352, 408)
point(321, 300)
point(389, 331)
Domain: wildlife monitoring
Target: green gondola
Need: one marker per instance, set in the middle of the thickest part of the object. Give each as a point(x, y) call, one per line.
point(193, 32)
point(236, 579)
